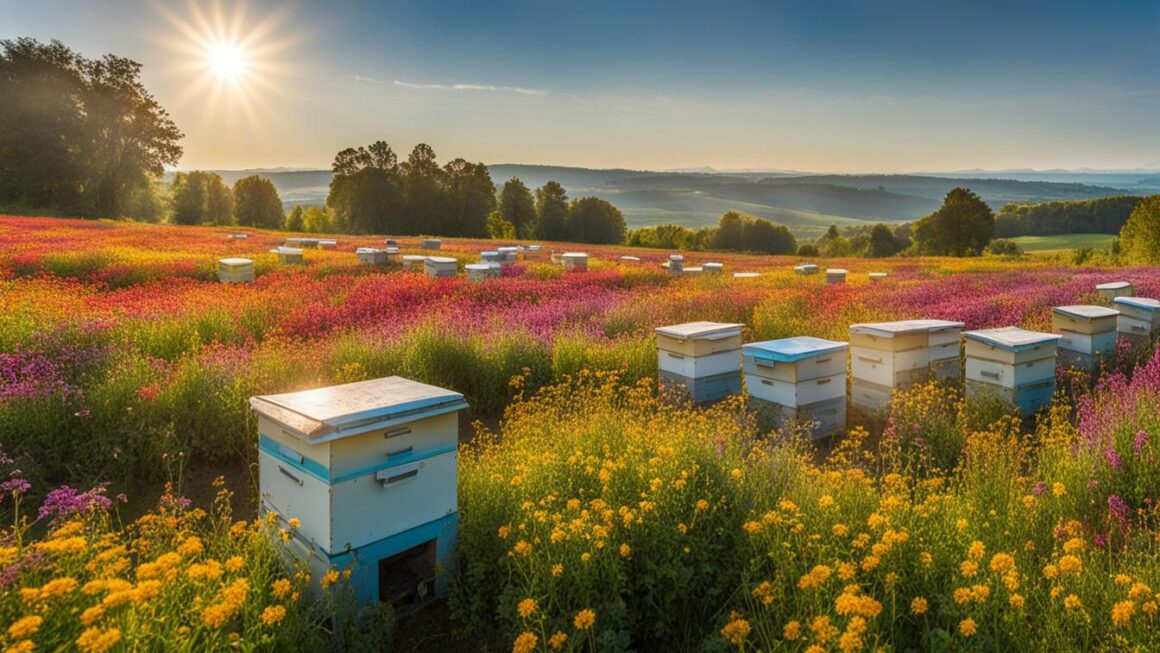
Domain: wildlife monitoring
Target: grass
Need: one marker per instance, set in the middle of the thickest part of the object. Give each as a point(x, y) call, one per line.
point(1062, 242)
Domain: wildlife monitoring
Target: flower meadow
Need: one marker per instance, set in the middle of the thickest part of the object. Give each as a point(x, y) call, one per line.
point(595, 514)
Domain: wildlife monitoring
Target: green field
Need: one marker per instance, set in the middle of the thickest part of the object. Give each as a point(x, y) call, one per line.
point(1061, 242)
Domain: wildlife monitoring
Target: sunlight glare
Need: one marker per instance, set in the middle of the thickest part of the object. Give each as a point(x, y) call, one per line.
point(228, 61)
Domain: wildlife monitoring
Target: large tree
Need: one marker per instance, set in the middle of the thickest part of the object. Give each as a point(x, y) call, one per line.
point(962, 226)
point(594, 220)
point(366, 192)
point(471, 195)
point(427, 205)
point(552, 211)
point(78, 136)
point(201, 198)
point(517, 207)
point(1140, 237)
point(256, 203)
point(882, 242)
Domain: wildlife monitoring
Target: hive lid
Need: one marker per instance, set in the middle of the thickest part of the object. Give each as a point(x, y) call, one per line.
point(1012, 338)
point(414, 257)
point(1146, 303)
point(891, 329)
point(286, 250)
point(634, 259)
point(1113, 285)
point(368, 250)
point(327, 241)
point(234, 262)
point(746, 275)
point(791, 350)
point(331, 413)
point(701, 330)
point(574, 255)
point(480, 266)
point(713, 265)
point(440, 259)
point(876, 275)
point(1087, 311)
point(833, 270)
point(676, 257)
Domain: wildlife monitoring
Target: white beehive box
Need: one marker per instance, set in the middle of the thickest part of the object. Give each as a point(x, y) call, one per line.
point(1010, 345)
point(302, 243)
point(1083, 319)
point(713, 268)
point(575, 261)
point(794, 395)
point(702, 358)
point(835, 275)
point(533, 252)
point(1115, 289)
point(676, 264)
point(440, 266)
point(411, 261)
point(693, 270)
point(1139, 316)
point(899, 354)
point(902, 335)
point(793, 360)
point(806, 269)
point(289, 255)
point(700, 338)
point(871, 396)
point(632, 260)
point(877, 276)
point(491, 256)
point(1016, 364)
point(235, 270)
point(359, 462)
point(327, 243)
point(371, 256)
point(431, 243)
point(699, 366)
point(746, 275)
point(481, 271)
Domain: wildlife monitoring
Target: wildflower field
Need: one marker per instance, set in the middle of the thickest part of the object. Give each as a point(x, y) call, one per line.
point(595, 515)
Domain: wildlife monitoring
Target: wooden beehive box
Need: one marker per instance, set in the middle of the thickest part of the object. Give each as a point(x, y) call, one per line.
point(793, 360)
point(482, 271)
point(371, 256)
point(289, 255)
point(440, 266)
point(1139, 316)
point(431, 243)
point(235, 270)
point(332, 457)
point(575, 261)
point(1084, 319)
point(1010, 357)
point(835, 275)
point(1115, 289)
point(713, 268)
point(410, 261)
point(700, 339)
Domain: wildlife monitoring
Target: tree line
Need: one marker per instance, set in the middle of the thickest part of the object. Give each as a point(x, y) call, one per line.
point(734, 232)
point(1103, 215)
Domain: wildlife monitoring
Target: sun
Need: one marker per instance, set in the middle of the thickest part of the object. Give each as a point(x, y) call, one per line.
point(228, 61)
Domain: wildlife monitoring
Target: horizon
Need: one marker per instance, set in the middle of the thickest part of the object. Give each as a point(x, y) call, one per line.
point(839, 88)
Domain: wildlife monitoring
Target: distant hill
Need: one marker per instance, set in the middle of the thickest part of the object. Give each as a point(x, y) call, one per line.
point(807, 203)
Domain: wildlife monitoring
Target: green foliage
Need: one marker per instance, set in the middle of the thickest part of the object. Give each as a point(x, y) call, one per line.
point(317, 220)
point(499, 228)
point(79, 136)
point(1140, 237)
point(962, 226)
point(1004, 247)
point(669, 236)
point(735, 232)
point(552, 211)
point(593, 220)
point(256, 203)
point(201, 198)
point(295, 220)
point(1104, 215)
point(882, 242)
point(809, 249)
point(517, 207)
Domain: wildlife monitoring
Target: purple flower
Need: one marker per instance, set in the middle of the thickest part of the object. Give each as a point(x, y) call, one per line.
point(64, 500)
point(15, 486)
point(1140, 441)
point(1113, 458)
point(1039, 488)
point(1100, 540)
point(1119, 509)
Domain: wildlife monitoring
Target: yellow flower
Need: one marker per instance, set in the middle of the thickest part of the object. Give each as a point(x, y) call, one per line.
point(95, 640)
point(557, 569)
point(1002, 562)
point(1016, 600)
point(273, 614)
point(522, 548)
point(825, 501)
point(1070, 564)
point(294, 523)
point(191, 546)
point(525, 643)
point(816, 576)
point(234, 564)
point(1123, 579)
point(735, 474)
point(925, 558)
point(23, 646)
point(969, 568)
point(1050, 571)
point(967, 627)
point(328, 579)
point(584, 619)
point(736, 631)
point(1072, 602)
point(962, 595)
point(792, 630)
point(281, 588)
point(25, 627)
point(526, 607)
point(585, 557)
point(1058, 489)
point(625, 550)
point(976, 551)
point(1074, 545)
point(815, 649)
point(919, 605)
point(556, 641)
point(702, 505)
point(961, 524)
point(503, 532)
point(1122, 612)
point(91, 615)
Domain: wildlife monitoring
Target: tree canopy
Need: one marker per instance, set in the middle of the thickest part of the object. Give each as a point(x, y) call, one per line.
point(1140, 237)
point(594, 220)
point(256, 203)
point(1103, 215)
point(201, 198)
point(962, 226)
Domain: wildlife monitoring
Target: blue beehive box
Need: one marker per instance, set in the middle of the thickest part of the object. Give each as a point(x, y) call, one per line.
point(1016, 364)
point(802, 378)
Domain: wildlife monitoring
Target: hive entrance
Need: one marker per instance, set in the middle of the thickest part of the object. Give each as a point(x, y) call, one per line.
point(406, 578)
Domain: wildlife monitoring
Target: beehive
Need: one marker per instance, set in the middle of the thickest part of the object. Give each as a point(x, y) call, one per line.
point(410, 261)
point(509, 254)
point(491, 256)
point(632, 260)
point(575, 261)
point(676, 264)
point(1016, 364)
point(713, 268)
point(746, 275)
point(235, 270)
point(431, 243)
point(533, 252)
point(239, 236)
point(1087, 334)
point(877, 276)
point(803, 379)
point(302, 243)
point(327, 244)
point(1139, 317)
point(693, 270)
point(333, 457)
point(371, 256)
point(1114, 289)
point(440, 266)
point(289, 255)
point(482, 271)
point(390, 242)
point(704, 358)
point(889, 356)
point(835, 276)
point(806, 269)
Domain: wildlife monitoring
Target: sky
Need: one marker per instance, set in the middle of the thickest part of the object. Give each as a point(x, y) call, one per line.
point(811, 85)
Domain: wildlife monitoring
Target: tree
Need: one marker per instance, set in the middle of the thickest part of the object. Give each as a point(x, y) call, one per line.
point(201, 198)
point(517, 207)
point(763, 236)
point(256, 203)
point(317, 220)
point(1004, 247)
point(962, 226)
point(426, 202)
point(808, 249)
point(78, 136)
point(295, 220)
point(593, 220)
point(499, 228)
point(882, 242)
point(471, 197)
point(730, 234)
point(552, 211)
point(1140, 237)
point(366, 193)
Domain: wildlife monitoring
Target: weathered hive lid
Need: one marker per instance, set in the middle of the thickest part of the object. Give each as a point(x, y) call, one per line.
point(791, 350)
point(335, 412)
point(235, 262)
point(891, 329)
point(701, 330)
point(1086, 312)
point(440, 260)
point(676, 257)
point(746, 275)
point(286, 250)
point(368, 250)
point(1113, 285)
point(1012, 338)
point(630, 259)
point(832, 270)
point(1146, 303)
point(414, 257)
point(809, 266)
point(574, 255)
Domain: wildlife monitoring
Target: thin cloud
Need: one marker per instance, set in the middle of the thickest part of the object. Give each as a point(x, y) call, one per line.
point(370, 80)
point(472, 87)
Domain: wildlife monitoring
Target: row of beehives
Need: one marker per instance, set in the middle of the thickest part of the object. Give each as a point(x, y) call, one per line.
point(804, 378)
point(833, 275)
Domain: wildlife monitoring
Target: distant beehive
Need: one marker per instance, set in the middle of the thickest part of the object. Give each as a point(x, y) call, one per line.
point(746, 275)
point(805, 269)
point(371, 256)
point(835, 276)
point(533, 252)
point(713, 268)
point(412, 260)
point(239, 236)
point(235, 270)
point(482, 271)
point(289, 255)
point(491, 256)
point(802, 379)
point(701, 358)
point(1087, 335)
point(302, 243)
point(1139, 318)
point(510, 254)
point(575, 261)
point(676, 264)
point(440, 266)
point(1012, 363)
point(1115, 289)
point(369, 470)
point(877, 276)
point(431, 243)
point(631, 260)
point(327, 244)
point(890, 356)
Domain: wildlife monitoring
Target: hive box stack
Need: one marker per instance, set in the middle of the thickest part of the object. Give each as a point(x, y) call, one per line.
point(803, 379)
point(412, 260)
point(1139, 318)
point(482, 271)
point(835, 276)
point(1015, 364)
point(369, 471)
point(676, 264)
point(890, 356)
point(235, 270)
point(431, 243)
point(575, 261)
point(371, 256)
point(702, 358)
point(510, 255)
point(1114, 289)
point(806, 269)
point(440, 266)
point(1087, 335)
point(289, 255)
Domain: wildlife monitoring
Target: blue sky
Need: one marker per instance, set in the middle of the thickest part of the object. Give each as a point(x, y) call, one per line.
point(823, 86)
